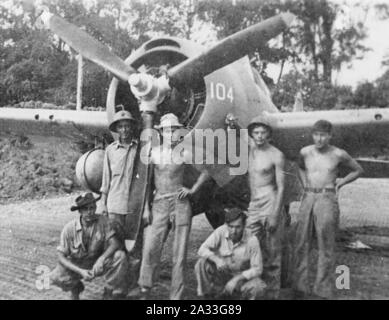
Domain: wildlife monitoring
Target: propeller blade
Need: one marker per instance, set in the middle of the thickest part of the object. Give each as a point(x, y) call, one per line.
point(87, 46)
point(228, 50)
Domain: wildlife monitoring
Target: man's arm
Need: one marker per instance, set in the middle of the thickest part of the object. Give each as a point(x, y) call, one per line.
point(113, 246)
point(210, 247)
point(280, 182)
point(196, 186)
point(301, 168)
point(356, 170)
point(105, 183)
point(64, 261)
point(255, 270)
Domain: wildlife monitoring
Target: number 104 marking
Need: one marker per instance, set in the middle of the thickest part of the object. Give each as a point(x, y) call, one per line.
point(220, 92)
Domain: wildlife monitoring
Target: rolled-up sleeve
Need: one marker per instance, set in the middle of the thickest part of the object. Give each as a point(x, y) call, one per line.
point(256, 263)
point(106, 174)
point(211, 245)
point(64, 243)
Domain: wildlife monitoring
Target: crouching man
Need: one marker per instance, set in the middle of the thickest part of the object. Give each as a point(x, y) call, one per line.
point(231, 262)
point(89, 248)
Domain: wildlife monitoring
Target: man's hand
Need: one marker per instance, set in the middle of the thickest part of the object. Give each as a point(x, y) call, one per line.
point(147, 217)
point(233, 284)
point(185, 192)
point(220, 264)
point(339, 183)
point(104, 209)
point(98, 267)
point(87, 275)
point(271, 223)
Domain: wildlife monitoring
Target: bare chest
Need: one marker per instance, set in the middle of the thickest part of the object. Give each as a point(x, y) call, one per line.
point(325, 164)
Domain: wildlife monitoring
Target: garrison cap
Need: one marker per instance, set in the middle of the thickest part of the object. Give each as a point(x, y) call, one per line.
point(233, 214)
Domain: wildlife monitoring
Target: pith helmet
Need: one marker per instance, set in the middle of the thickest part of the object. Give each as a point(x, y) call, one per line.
point(259, 120)
point(169, 120)
point(120, 115)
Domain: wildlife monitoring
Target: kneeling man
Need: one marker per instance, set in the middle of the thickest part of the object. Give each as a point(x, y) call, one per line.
point(89, 248)
point(231, 261)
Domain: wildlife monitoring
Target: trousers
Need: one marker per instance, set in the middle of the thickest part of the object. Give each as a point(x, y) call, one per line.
point(167, 213)
point(210, 281)
point(319, 212)
point(115, 274)
point(271, 243)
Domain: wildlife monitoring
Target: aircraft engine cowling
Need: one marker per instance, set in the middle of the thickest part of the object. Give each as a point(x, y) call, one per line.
point(89, 169)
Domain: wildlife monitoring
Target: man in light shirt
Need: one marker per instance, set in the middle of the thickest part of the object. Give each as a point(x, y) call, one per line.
point(230, 263)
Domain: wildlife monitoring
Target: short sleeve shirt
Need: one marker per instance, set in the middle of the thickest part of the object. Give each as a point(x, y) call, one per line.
point(79, 246)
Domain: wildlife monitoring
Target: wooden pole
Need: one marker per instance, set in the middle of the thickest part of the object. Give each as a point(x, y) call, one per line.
point(80, 78)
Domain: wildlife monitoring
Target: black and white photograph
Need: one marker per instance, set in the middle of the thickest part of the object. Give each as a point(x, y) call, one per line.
point(213, 151)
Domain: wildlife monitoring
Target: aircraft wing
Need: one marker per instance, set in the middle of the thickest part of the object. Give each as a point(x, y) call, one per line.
point(58, 123)
point(363, 133)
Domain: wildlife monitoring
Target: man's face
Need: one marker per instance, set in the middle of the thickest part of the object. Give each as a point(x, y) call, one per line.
point(235, 229)
point(170, 135)
point(124, 129)
point(260, 135)
point(321, 139)
point(88, 213)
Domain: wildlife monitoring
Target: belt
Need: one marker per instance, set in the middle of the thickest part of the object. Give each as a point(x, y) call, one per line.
point(319, 190)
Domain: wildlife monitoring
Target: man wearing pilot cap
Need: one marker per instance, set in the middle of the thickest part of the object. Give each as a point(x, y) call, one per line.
point(90, 248)
point(230, 263)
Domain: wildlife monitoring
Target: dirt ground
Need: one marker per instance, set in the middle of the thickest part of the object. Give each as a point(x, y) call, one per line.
point(29, 233)
point(38, 186)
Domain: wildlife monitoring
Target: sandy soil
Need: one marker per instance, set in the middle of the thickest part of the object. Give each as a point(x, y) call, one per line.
point(29, 233)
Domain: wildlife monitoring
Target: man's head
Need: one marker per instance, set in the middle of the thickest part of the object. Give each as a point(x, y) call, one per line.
point(322, 133)
point(235, 220)
point(170, 128)
point(260, 131)
point(86, 206)
point(124, 124)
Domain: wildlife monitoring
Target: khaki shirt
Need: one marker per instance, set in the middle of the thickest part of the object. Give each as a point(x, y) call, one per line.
point(85, 246)
point(242, 257)
point(117, 175)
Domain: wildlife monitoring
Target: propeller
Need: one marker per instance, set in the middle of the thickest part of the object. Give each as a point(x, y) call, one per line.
point(151, 91)
point(87, 46)
point(228, 50)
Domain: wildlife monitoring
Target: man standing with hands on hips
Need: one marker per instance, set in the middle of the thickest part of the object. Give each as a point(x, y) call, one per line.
point(318, 168)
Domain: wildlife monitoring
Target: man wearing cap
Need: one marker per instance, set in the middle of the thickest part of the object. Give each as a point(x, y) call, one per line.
point(89, 248)
point(319, 164)
point(266, 217)
point(230, 263)
point(118, 170)
point(170, 208)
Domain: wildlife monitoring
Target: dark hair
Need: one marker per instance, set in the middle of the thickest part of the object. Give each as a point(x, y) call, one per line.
point(255, 125)
point(322, 126)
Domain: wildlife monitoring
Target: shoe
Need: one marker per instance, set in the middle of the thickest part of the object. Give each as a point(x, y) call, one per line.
point(139, 293)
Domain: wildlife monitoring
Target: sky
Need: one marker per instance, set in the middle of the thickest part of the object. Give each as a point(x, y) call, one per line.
point(370, 67)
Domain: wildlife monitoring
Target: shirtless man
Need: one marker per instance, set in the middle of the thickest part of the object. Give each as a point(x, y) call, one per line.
point(265, 212)
point(170, 209)
point(319, 209)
